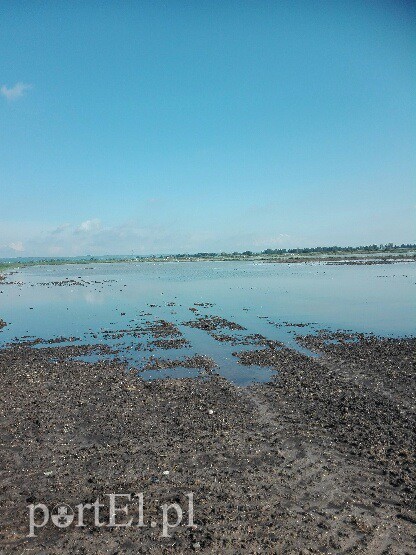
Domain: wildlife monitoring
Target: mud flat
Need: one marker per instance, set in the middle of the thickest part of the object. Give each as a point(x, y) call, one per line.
point(319, 460)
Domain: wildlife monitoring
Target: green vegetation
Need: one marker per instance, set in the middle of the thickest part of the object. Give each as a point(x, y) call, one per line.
point(9, 266)
point(368, 249)
point(387, 248)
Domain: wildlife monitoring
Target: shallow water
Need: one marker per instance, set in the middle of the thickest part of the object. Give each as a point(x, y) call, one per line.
point(267, 299)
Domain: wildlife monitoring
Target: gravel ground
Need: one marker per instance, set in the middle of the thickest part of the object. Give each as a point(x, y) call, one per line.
point(320, 460)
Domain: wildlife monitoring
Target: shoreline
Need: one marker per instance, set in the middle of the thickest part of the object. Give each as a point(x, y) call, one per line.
point(353, 258)
point(319, 459)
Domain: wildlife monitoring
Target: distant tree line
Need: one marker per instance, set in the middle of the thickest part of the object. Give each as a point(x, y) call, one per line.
point(388, 247)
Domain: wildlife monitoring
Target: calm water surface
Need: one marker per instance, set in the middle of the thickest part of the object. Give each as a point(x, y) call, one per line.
point(267, 299)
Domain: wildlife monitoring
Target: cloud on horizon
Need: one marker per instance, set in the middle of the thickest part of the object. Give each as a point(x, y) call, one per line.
point(15, 92)
point(12, 249)
point(91, 237)
point(17, 247)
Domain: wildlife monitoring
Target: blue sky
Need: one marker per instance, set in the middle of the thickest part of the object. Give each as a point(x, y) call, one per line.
point(160, 127)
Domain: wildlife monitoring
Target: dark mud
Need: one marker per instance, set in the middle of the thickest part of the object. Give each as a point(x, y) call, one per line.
point(40, 341)
point(320, 460)
point(261, 357)
point(161, 328)
point(200, 362)
point(169, 343)
point(213, 323)
point(251, 339)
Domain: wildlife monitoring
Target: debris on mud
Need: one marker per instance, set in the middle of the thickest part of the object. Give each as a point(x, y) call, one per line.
point(213, 323)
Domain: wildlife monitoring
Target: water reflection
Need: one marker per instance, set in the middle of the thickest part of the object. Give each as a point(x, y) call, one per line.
point(277, 301)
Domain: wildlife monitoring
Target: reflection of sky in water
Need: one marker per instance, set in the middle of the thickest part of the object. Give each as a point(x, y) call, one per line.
point(93, 298)
point(261, 297)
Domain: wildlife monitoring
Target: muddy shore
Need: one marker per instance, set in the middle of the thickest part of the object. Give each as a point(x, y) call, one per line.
point(319, 460)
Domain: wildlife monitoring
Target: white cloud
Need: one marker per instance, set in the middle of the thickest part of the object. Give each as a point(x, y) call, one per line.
point(17, 246)
point(15, 92)
point(89, 225)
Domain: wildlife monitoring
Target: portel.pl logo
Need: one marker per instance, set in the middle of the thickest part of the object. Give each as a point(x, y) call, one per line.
point(63, 515)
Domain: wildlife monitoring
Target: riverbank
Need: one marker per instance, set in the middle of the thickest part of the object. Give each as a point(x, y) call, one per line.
point(319, 460)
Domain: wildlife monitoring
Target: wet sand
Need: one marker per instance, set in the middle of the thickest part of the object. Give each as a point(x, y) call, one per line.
point(319, 460)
